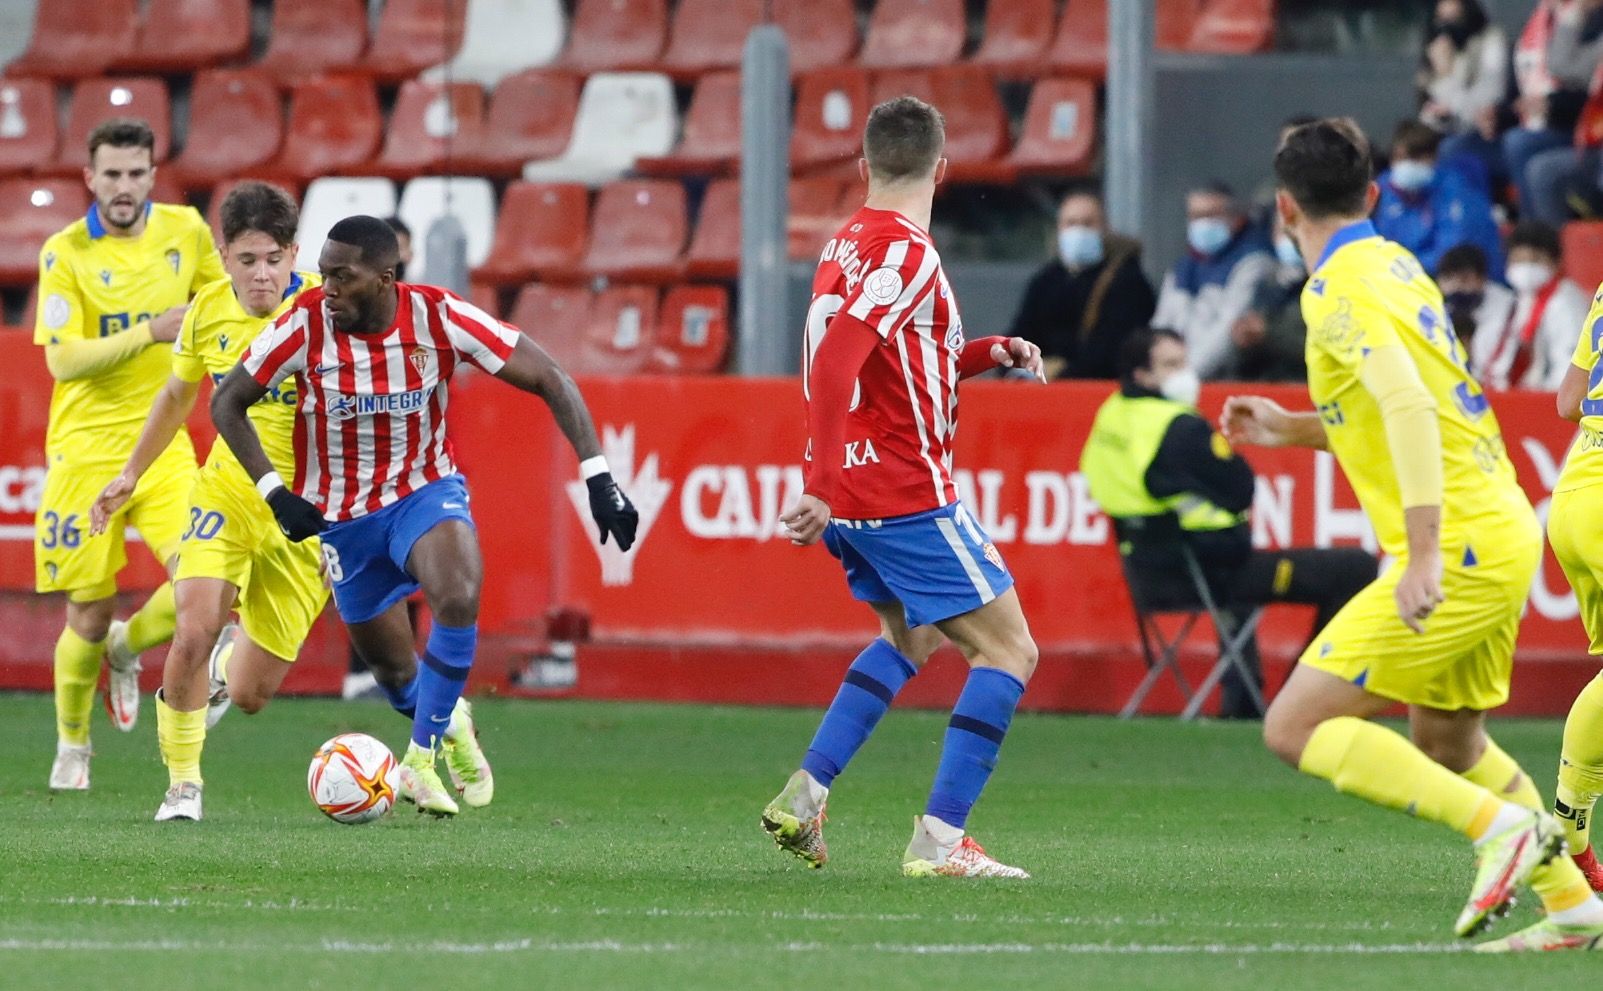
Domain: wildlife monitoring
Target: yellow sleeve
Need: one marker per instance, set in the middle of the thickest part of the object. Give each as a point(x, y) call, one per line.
point(1413, 432)
point(1346, 323)
point(60, 315)
point(1586, 346)
point(187, 363)
point(210, 266)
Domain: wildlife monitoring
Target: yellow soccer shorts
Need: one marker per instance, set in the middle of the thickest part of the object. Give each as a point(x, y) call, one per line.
point(1465, 657)
point(67, 559)
point(1572, 529)
point(232, 536)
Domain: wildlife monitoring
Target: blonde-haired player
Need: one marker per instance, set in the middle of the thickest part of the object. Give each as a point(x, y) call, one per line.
point(112, 291)
point(1397, 406)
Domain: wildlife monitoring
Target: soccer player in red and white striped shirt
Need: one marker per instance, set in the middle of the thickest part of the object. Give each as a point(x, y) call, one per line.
point(372, 360)
point(884, 353)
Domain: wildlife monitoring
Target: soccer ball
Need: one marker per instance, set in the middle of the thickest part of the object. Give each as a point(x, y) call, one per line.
point(352, 778)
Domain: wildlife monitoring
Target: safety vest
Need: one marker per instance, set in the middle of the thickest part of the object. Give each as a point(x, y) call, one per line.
point(1124, 440)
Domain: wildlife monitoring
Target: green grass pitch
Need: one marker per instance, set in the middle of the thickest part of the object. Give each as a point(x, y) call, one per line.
point(623, 851)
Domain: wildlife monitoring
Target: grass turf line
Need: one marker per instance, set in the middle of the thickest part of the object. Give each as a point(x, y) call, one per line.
point(623, 849)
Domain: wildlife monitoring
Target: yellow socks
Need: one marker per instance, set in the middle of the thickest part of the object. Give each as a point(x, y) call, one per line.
point(1580, 769)
point(155, 620)
point(1498, 773)
point(181, 736)
point(77, 670)
point(1375, 764)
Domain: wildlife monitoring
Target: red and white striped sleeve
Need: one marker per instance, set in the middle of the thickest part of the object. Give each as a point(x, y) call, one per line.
point(476, 335)
point(279, 351)
point(900, 273)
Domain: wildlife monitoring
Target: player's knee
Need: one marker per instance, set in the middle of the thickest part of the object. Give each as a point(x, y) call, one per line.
point(193, 639)
point(91, 620)
point(1018, 658)
point(456, 607)
point(249, 699)
point(1456, 755)
point(916, 645)
point(1285, 735)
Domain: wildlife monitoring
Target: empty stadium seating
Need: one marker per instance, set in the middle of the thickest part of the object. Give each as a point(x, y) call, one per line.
point(530, 117)
point(334, 126)
point(817, 208)
point(616, 35)
point(470, 200)
point(714, 251)
point(555, 317)
point(692, 331)
point(1017, 36)
point(1080, 46)
point(622, 116)
point(1583, 252)
point(236, 123)
point(96, 100)
point(28, 132)
point(30, 211)
point(542, 232)
point(821, 32)
point(831, 108)
point(976, 123)
point(431, 128)
point(620, 331)
point(1234, 27)
point(329, 201)
point(184, 35)
point(638, 231)
point(77, 39)
point(914, 33)
point(312, 36)
point(709, 34)
point(502, 37)
point(710, 143)
point(1059, 134)
point(1176, 20)
point(413, 35)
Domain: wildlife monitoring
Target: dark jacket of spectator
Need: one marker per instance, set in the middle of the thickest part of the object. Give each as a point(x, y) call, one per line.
point(1081, 317)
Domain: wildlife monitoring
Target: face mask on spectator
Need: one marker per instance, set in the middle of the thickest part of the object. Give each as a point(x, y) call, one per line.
point(1411, 176)
point(1286, 251)
point(1182, 387)
point(1527, 277)
point(1463, 301)
point(1207, 235)
point(1079, 247)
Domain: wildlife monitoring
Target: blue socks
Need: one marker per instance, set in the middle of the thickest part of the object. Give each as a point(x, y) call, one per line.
point(973, 739)
point(404, 698)
point(865, 693)
point(444, 673)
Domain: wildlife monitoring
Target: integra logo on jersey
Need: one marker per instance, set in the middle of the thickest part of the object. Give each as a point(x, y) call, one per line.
point(345, 407)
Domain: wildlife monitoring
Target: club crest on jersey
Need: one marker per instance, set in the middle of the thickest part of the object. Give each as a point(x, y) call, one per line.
point(420, 359)
point(174, 259)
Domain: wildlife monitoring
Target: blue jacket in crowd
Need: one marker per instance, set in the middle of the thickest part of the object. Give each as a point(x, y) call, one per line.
point(1454, 209)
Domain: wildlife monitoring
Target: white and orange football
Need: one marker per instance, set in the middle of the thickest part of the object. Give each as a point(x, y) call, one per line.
point(352, 778)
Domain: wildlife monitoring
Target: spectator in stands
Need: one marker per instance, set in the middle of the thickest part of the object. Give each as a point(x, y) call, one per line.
point(1208, 290)
point(1532, 348)
point(1428, 204)
point(1554, 169)
point(1474, 302)
point(1463, 75)
point(1079, 307)
point(403, 237)
point(1269, 338)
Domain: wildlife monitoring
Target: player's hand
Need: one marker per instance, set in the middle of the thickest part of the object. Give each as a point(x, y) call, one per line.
point(164, 327)
point(1419, 592)
point(807, 519)
point(1254, 420)
point(111, 499)
point(298, 518)
point(1019, 353)
point(612, 510)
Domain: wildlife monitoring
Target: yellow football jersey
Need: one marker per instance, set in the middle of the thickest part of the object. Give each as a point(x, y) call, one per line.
point(1367, 293)
point(93, 285)
point(1584, 465)
point(216, 332)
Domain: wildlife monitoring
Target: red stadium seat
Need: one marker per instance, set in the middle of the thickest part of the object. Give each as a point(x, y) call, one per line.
point(530, 117)
point(30, 211)
point(236, 122)
point(75, 39)
point(430, 129)
point(620, 334)
point(1176, 20)
point(608, 35)
point(30, 308)
point(28, 132)
point(708, 35)
point(185, 35)
point(214, 211)
point(1583, 252)
point(413, 35)
point(692, 331)
point(1234, 27)
point(831, 108)
point(556, 318)
point(710, 142)
point(637, 233)
point(312, 36)
point(541, 233)
point(821, 32)
point(1059, 132)
point(714, 251)
point(97, 100)
point(1080, 46)
point(334, 125)
point(817, 208)
point(1017, 36)
point(976, 123)
point(914, 32)
point(485, 298)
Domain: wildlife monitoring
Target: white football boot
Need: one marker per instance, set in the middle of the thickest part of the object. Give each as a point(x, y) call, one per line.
point(122, 682)
point(182, 802)
point(70, 772)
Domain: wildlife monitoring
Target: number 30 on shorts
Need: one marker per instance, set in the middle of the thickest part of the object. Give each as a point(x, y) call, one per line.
point(203, 524)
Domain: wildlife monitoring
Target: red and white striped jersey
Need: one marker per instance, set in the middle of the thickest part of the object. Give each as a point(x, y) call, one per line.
point(882, 269)
point(372, 406)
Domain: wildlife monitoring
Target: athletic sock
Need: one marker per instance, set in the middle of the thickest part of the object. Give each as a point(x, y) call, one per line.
point(1561, 886)
point(973, 739)
point(155, 620)
point(447, 658)
point(1580, 767)
point(872, 681)
point(77, 670)
point(1499, 774)
point(403, 699)
point(181, 735)
point(1376, 764)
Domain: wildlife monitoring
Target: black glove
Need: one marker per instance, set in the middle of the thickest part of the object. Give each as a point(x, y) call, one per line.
point(298, 518)
point(612, 510)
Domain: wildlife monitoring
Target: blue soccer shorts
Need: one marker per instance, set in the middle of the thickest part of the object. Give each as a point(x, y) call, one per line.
point(937, 564)
point(366, 557)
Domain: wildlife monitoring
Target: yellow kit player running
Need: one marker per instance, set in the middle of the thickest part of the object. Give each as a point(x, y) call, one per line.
point(1423, 450)
point(233, 554)
point(1572, 528)
point(112, 290)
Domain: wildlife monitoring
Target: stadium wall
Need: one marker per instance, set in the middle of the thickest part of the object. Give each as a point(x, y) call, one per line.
point(714, 605)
